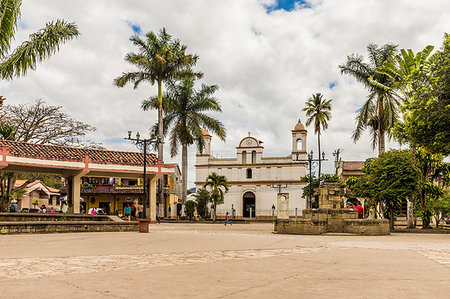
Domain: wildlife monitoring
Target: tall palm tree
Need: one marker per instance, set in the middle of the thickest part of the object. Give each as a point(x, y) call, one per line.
point(380, 101)
point(219, 186)
point(40, 46)
point(159, 59)
point(318, 110)
point(185, 114)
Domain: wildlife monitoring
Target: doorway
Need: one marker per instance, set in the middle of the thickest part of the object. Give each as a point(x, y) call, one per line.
point(249, 204)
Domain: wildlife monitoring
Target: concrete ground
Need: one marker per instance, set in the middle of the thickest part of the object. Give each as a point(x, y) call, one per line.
point(214, 261)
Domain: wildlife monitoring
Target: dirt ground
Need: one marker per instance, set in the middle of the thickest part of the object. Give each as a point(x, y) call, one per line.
point(214, 261)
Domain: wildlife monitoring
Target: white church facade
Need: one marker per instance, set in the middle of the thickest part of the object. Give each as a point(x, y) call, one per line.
point(254, 181)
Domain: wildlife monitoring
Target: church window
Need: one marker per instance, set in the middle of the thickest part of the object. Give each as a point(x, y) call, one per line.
point(249, 173)
point(244, 157)
point(253, 157)
point(299, 145)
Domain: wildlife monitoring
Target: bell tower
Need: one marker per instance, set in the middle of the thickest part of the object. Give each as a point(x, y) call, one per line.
point(299, 141)
point(207, 138)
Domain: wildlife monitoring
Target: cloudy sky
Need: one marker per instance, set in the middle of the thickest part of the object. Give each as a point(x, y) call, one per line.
point(267, 57)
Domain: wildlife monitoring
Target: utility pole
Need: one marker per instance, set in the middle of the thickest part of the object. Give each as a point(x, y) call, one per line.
point(144, 142)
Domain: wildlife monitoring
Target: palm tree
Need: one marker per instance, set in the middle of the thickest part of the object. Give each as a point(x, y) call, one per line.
point(380, 101)
point(318, 110)
point(159, 59)
point(40, 46)
point(219, 186)
point(185, 115)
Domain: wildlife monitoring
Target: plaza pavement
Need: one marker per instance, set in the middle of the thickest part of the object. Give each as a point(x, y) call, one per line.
point(214, 261)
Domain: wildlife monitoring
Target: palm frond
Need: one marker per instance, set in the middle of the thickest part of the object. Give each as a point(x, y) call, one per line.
point(9, 15)
point(41, 45)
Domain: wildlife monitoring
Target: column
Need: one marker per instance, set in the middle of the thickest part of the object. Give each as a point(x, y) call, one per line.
point(152, 194)
point(73, 192)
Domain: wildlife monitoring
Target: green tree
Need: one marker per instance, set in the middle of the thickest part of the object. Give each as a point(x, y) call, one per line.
point(203, 198)
point(392, 177)
point(189, 208)
point(185, 114)
point(219, 186)
point(381, 103)
point(427, 115)
point(39, 47)
point(318, 111)
point(160, 59)
point(441, 208)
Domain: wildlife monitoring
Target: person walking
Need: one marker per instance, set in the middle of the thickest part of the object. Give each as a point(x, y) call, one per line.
point(227, 219)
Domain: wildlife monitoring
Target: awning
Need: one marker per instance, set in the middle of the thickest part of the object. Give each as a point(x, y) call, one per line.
point(64, 198)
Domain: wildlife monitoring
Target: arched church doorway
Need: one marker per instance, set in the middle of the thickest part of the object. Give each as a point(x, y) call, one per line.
point(249, 204)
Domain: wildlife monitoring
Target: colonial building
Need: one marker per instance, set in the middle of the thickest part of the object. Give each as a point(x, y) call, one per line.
point(255, 180)
point(113, 194)
point(37, 194)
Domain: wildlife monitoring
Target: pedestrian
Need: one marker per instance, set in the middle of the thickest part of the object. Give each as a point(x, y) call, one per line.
point(133, 211)
point(140, 209)
point(64, 208)
point(127, 212)
point(360, 210)
point(52, 210)
point(227, 219)
point(94, 212)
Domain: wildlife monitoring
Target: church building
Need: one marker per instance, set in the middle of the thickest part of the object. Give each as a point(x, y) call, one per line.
point(254, 181)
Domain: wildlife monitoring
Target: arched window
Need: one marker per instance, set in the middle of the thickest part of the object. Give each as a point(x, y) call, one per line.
point(253, 157)
point(299, 144)
point(249, 173)
point(244, 157)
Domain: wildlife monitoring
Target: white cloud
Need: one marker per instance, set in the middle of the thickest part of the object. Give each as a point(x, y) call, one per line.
point(266, 65)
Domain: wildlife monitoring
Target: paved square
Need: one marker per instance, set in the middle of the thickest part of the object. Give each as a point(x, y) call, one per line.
point(214, 261)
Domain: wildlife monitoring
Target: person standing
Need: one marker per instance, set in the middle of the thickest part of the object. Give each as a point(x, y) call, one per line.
point(127, 212)
point(227, 219)
point(360, 210)
point(140, 209)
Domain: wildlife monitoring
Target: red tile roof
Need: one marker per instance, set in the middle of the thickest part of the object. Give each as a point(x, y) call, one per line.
point(52, 152)
point(352, 165)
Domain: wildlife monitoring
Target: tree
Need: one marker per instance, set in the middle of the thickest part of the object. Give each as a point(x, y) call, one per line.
point(160, 59)
point(381, 103)
point(427, 115)
point(392, 177)
point(203, 198)
point(189, 208)
point(39, 47)
point(42, 124)
point(441, 208)
point(318, 110)
point(185, 115)
point(219, 186)
point(37, 123)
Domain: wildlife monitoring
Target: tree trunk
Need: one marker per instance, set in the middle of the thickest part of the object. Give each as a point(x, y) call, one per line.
point(215, 214)
point(391, 220)
point(160, 124)
point(160, 149)
point(184, 170)
point(320, 161)
point(381, 141)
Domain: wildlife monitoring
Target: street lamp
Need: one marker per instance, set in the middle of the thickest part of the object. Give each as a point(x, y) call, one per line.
point(311, 163)
point(144, 142)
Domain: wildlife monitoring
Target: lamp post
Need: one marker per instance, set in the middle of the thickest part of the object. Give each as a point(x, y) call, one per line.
point(144, 142)
point(311, 163)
